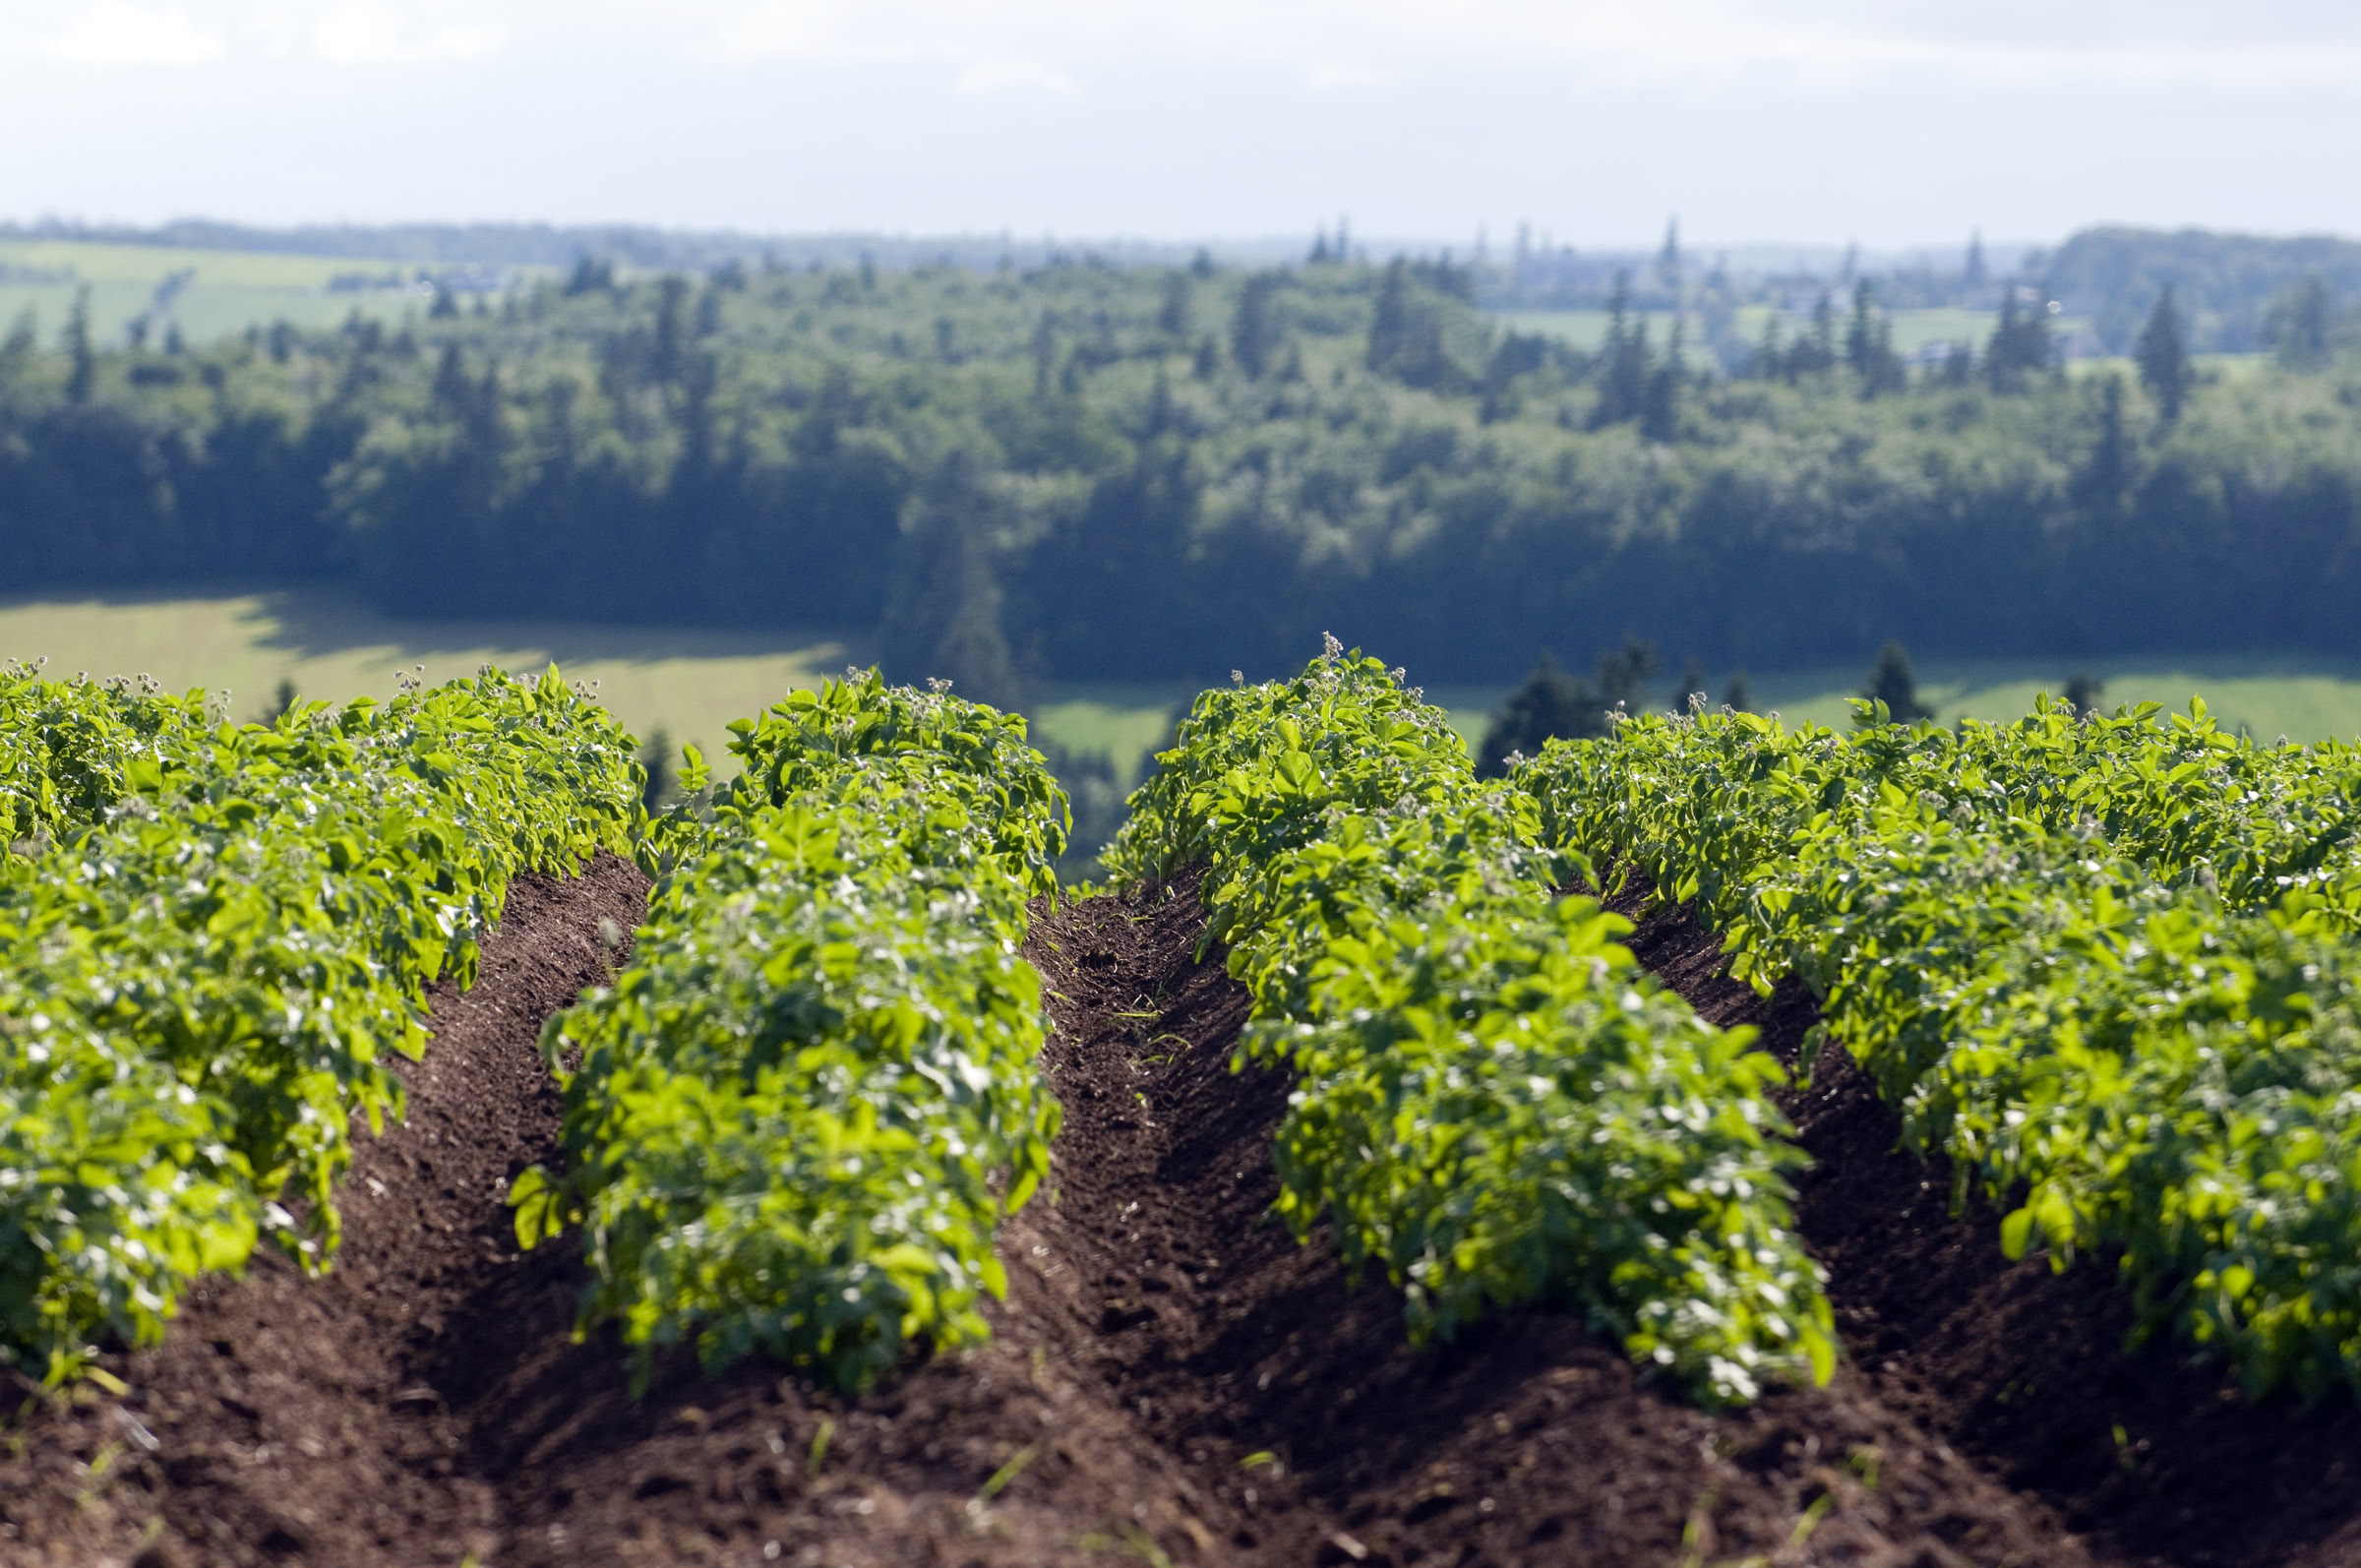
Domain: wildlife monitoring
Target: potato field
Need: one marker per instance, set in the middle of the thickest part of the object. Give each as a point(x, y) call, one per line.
point(1716, 1143)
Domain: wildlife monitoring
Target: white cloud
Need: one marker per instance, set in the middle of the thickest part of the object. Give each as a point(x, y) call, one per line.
point(1018, 78)
point(117, 33)
point(364, 32)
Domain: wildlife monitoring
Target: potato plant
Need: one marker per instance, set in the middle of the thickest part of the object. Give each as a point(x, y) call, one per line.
point(200, 978)
point(1493, 1104)
point(2105, 968)
point(798, 1117)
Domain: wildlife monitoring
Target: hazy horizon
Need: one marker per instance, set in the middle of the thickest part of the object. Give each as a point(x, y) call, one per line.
point(1897, 126)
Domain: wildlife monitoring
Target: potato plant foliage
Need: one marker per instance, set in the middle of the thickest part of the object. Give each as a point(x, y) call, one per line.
point(210, 939)
point(1493, 1104)
point(2106, 966)
point(800, 1115)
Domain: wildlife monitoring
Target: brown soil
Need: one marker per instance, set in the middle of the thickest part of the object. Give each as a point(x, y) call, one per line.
point(1173, 1379)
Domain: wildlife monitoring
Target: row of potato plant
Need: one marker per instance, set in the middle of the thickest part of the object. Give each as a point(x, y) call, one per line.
point(2105, 967)
point(794, 1123)
point(1493, 1104)
point(216, 937)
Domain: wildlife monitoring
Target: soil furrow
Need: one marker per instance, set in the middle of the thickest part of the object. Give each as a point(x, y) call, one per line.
point(1173, 1376)
point(2152, 1457)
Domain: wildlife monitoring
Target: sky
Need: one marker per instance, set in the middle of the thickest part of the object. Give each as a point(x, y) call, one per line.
point(1892, 123)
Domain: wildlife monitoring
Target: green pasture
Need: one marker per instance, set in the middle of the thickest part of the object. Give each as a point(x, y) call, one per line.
point(688, 683)
point(229, 291)
point(692, 682)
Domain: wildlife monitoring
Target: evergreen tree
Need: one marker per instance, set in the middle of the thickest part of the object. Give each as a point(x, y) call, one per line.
point(1254, 329)
point(2297, 327)
point(1668, 260)
point(1173, 315)
point(1691, 684)
point(1623, 386)
point(1389, 320)
point(445, 306)
point(943, 618)
point(1767, 363)
point(1660, 403)
point(2106, 473)
point(2164, 358)
point(1735, 695)
point(1044, 355)
point(1623, 674)
point(1551, 705)
point(2084, 692)
point(1208, 362)
point(1973, 275)
point(656, 760)
point(82, 377)
point(1892, 684)
point(24, 338)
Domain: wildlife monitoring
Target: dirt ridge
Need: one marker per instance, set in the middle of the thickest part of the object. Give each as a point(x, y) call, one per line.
point(1172, 1377)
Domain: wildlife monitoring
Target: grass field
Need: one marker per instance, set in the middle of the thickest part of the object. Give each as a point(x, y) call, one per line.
point(690, 683)
point(227, 290)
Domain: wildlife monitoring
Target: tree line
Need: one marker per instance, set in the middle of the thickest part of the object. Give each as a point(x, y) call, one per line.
point(1089, 470)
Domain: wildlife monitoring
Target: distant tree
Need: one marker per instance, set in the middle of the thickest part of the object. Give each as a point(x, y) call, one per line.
point(2297, 325)
point(1974, 275)
point(1200, 265)
point(281, 703)
point(82, 377)
point(1735, 695)
point(1892, 684)
point(1172, 316)
point(1623, 361)
point(1623, 674)
point(1959, 366)
point(1767, 363)
point(672, 294)
point(1691, 684)
point(1869, 345)
point(2164, 358)
point(445, 306)
point(452, 395)
point(1044, 355)
point(2084, 692)
point(655, 758)
point(1319, 247)
point(1660, 402)
point(2106, 473)
point(1254, 329)
point(175, 344)
point(1389, 320)
point(591, 275)
point(1208, 362)
point(1551, 705)
point(282, 341)
point(2019, 345)
point(22, 343)
point(1667, 259)
point(944, 618)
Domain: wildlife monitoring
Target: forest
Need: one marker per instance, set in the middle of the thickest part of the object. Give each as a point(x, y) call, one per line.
point(1085, 469)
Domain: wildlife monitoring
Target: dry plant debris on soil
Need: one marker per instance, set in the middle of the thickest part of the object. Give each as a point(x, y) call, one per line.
point(1172, 1380)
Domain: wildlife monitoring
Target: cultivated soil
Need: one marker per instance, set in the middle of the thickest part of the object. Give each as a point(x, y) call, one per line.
point(1173, 1379)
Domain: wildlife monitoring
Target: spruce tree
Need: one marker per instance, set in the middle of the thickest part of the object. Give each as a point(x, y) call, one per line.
point(1254, 329)
point(2164, 358)
point(1389, 320)
point(82, 377)
point(2084, 693)
point(1173, 315)
point(2298, 325)
point(1551, 705)
point(2107, 472)
point(1892, 684)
